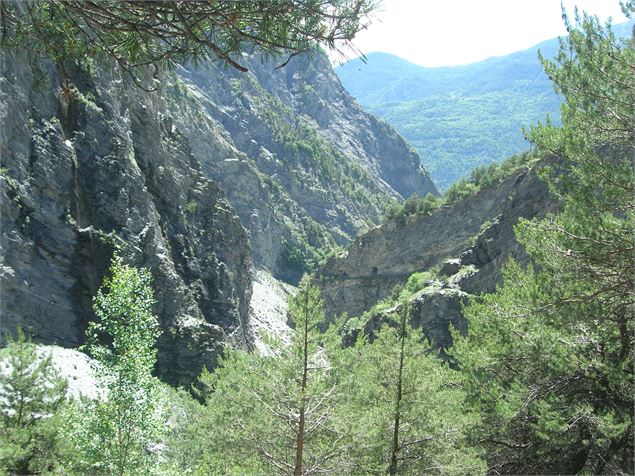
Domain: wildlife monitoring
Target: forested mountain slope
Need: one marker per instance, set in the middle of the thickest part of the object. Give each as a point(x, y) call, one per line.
point(459, 117)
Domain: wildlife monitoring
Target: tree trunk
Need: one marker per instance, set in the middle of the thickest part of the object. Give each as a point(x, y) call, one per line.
point(299, 446)
point(392, 467)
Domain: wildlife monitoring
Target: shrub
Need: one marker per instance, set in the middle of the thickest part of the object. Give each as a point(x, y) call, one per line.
point(31, 394)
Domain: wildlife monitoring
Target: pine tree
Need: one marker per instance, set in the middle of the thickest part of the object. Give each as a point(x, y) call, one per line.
point(549, 357)
point(406, 407)
point(31, 395)
point(274, 414)
point(139, 34)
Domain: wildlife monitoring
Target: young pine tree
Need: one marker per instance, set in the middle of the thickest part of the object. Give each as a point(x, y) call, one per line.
point(273, 414)
point(31, 395)
point(406, 407)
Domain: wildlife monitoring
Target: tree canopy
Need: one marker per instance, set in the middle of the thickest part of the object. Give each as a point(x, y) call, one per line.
point(549, 356)
point(112, 436)
point(31, 393)
point(160, 33)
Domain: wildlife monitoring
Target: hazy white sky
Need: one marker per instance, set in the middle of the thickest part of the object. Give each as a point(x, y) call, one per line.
point(452, 32)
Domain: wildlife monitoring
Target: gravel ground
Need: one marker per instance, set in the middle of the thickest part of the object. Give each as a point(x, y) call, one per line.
point(74, 366)
point(77, 368)
point(268, 309)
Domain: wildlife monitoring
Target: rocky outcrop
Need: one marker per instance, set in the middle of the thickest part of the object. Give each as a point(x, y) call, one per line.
point(435, 309)
point(213, 171)
point(310, 85)
point(476, 232)
point(96, 167)
point(302, 164)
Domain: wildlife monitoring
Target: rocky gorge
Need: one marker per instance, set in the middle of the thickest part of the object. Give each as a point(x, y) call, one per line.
point(222, 184)
point(215, 175)
point(214, 261)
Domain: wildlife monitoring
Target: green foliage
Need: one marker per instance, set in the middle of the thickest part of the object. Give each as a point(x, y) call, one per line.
point(417, 281)
point(480, 178)
point(489, 176)
point(461, 190)
point(461, 117)
point(549, 401)
point(162, 33)
point(273, 413)
point(454, 134)
point(294, 256)
point(191, 206)
point(31, 394)
point(406, 407)
point(302, 253)
point(549, 357)
point(412, 207)
point(112, 435)
point(314, 406)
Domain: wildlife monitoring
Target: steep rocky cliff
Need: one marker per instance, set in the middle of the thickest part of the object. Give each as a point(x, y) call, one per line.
point(466, 243)
point(196, 181)
point(94, 168)
point(302, 164)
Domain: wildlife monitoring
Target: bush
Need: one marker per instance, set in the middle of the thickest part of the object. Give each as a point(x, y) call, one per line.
point(480, 177)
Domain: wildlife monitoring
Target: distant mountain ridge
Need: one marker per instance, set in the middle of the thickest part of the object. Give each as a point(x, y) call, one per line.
point(459, 117)
point(386, 78)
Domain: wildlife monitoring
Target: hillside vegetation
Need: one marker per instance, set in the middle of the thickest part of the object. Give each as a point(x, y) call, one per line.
point(486, 331)
point(461, 117)
point(480, 177)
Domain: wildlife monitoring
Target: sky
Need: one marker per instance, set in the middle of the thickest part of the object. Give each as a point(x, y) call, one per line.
point(453, 32)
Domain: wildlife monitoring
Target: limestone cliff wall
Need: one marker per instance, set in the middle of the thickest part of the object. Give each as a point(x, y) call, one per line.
point(98, 167)
point(303, 165)
point(196, 181)
point(476, 232)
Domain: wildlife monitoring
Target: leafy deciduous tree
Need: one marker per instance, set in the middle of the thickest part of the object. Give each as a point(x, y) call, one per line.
point(113, 434)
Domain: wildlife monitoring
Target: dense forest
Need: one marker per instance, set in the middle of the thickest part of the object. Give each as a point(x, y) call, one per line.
point(541, 382)
point(454, 133)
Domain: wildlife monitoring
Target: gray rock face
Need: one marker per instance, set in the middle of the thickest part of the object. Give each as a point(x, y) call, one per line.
point(313, 89)
point(433, 309)
point(302, 164)
point(215, 170)
point(375, 262)
point(98, 168)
